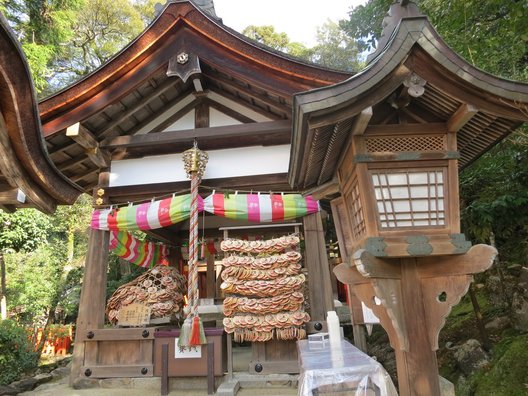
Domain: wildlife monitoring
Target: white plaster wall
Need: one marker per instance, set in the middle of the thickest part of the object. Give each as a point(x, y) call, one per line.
point(236, 162)
point(186, 122)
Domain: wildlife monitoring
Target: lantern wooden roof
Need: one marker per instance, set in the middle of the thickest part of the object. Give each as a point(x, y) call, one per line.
point(480, 108)
point(115, 111)
point(24, 162)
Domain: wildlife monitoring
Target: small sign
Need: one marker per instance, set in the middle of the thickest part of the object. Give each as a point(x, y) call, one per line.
point(194, 352)
point(134, 315)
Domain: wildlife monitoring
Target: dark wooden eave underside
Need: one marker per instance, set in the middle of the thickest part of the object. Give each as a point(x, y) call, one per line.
point(132, 89)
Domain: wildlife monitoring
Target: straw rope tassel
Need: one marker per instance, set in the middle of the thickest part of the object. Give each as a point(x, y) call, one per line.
point(192, 333)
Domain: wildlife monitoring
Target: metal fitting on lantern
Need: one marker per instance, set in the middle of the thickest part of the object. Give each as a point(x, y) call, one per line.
point(195, 161)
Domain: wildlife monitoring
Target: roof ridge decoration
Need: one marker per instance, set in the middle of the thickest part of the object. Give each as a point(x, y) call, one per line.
point(206, 6)
point(399, 10)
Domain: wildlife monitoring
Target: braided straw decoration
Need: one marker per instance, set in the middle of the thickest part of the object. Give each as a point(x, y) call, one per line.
point(193, 247)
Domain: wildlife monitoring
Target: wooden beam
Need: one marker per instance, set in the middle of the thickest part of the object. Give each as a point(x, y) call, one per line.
point(274, 182)
point(461, 117)
point(14, 196)
point(201, 115)
point(361, 121)
point(16, 176)
point(164, 235)
point(229, 111)
point(324, 190)
point(160, 139)
point(87, 140)
point(198, 85)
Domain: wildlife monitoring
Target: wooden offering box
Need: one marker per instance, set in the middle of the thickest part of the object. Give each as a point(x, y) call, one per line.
point(196, 364)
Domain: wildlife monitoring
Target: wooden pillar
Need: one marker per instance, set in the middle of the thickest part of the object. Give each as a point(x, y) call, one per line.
point(412, 297)
point(93, 295)
point(211, 276)
point(356, 316)
point(417, 367)
point(316, 262)
point(93, 292)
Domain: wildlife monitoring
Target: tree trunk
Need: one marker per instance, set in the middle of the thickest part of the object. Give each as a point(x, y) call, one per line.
point(497, 264)
point(480, 323)
point(3, 291)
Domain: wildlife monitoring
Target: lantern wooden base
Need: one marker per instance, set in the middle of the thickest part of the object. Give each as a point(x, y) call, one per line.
point(412, 297)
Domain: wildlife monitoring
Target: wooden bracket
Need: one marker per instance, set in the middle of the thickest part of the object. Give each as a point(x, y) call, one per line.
point(412, 297)
point(461, 117)
point(87, 140)
point(442, 280)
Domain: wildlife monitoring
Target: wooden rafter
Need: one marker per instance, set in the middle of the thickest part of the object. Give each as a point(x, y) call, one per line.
point(87, 140)
point(361, 121)
point(251, 106)
point(14, 196)
point(220, 80)
point(461, 117)
point(160, 89)
point(230, 112)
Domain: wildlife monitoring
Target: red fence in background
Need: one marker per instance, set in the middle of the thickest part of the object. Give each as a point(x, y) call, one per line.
point(58, 342)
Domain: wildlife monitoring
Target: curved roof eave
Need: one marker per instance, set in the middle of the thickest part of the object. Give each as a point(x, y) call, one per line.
point(386, 72)
point(153, 37)
point(25, 163)
point(410, 31)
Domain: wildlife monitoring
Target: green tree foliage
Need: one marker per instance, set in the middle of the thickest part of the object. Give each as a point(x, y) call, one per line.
point(66, 39)
point(34, 282)
point(279, 41)
point(23, 230)
point(334, 49)
point(100, 30)
point(492, 35)
point(43, 27)
point(269, 36)
point(16, 352)
point(43, 256)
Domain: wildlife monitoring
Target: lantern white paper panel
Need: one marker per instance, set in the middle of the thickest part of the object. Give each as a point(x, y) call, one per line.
point(409, 198)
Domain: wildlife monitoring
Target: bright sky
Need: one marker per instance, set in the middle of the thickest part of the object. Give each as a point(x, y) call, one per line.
point(299, 19)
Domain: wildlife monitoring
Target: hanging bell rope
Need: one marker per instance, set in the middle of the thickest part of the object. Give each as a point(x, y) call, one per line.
point(192, 333)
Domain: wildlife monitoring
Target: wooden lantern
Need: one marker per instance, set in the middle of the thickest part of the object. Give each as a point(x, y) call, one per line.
point(400, 183)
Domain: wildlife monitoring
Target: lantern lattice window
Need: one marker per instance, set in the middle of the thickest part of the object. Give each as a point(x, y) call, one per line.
point(356, 211)
point(405, 143)
point(413, 198)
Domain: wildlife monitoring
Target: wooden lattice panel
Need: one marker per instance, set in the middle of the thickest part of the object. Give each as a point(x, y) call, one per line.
point(405, 143)
point(356, 212)
point(409, 198)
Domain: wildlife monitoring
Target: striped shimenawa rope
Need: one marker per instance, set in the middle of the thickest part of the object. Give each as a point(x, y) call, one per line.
point(261, 208)
point(145, 216)
point(141, 253)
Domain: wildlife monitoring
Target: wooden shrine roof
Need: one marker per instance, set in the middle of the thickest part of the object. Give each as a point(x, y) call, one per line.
point(119, 104)
point(24, 163)
point(480, 108)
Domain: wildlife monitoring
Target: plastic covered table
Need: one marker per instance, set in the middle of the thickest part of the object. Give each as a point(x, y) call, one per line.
point(344, 371)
